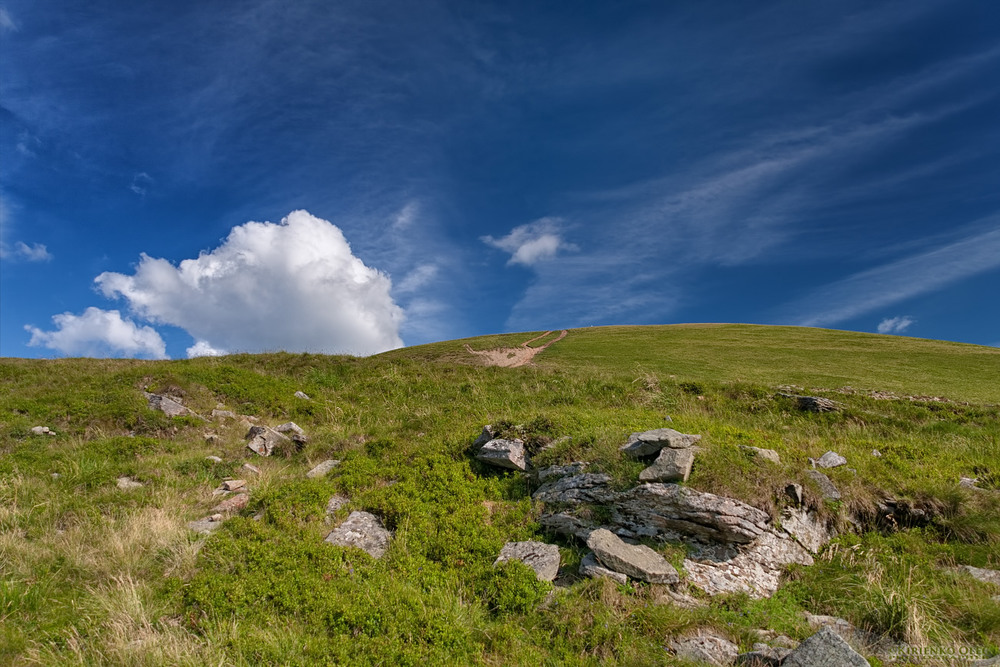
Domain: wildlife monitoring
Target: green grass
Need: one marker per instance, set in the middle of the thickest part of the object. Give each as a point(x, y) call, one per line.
point(90, 574)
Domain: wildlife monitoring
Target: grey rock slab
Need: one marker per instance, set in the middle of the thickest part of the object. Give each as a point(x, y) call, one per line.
point(984, 575)
point(504, 453)
point(825, 649)
point(263, 440)
point(207, 525)
point(653, 509)
point(487, 434)
point(293, 431)
point(754, 569)
point(128, 484)
point(761, 453)
point(672, 465)
point(567, 470)
point(589, 567)
point(223, 414)
point(812, 403)
point(762, 656)
point(323, 468)
point(826, 487)
point(588, 487)
point(807, 529)
point(541, 557)
point(706, 648)
point(831, 460)
point(167, 406)
point(566, 524)
point(649, 443)
point(635, 560)
point(363, 531)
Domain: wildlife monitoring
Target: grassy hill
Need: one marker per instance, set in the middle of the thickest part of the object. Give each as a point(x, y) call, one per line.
point(93, 574)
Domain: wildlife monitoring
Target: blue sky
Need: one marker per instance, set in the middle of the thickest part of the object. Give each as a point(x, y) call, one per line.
point(204, 177)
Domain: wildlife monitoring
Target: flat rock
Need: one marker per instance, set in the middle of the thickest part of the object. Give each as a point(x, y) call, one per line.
point(214, 459)
point(706, 648)
point(293, 431)
point(568, 470)
point(672, 465)
point(589, 567)
point(635, 560)
point(167, 406)
point(812, 403)
point(826, 487)
point(323, 468)
point(654, 509)
point(541, 557)
point(207, 525)
point(249, 467)
point(335, 503)
point(363, 531)
point(831, 460)
point(754, 568)
point(504, 454)
point(761, 453)
point(128, 484)
point(566, 524)
point(983, 575)
point(806, 528)
point(263, 440)
point(587, 487)
point(649, 443)
point(233, 484)
point(824, 649)
point(232, 504)
point(223, 414)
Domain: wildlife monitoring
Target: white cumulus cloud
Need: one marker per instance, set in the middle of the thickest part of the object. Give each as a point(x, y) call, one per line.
point(531, 243)
point(203, 349)
point(294, 286)
point(893, 325)
point(99, 333)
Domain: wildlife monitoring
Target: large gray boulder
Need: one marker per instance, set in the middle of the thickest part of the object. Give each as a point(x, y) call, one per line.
point(648, 443)
point(504, 453)
point(824, 649)
point(587, 487)
point(263, 440)
point(541, 557)
point(672, 465)
point(655, 509)
point(708, 648)
point(635, 560)
point(363, 531)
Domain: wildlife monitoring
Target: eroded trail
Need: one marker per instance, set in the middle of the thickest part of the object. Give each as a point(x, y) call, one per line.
point(509, 357)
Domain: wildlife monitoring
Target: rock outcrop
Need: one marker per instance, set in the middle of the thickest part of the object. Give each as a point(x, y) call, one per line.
point(649, 443)
point(587, 487)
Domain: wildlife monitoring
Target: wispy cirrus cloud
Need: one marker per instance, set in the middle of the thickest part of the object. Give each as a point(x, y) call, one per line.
point(895, 325)
point(532, 243)
point(36, 252)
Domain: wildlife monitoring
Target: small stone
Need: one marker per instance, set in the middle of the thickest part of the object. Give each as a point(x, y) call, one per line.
point(56, 475)
point(637, 561)
point(323, 468)
point(876, 453)
point(290, 427)
point(485, 436)
point(167, 406)
point(969, 483)
point(213, 459)
point(824, 649)
point(706, 648)
point(831, 460)
point(302, 395)
point(812, 403)
point(233, 484)
point(249, 467)
point(232, 504)
point(223, 414)
point(589, 567)
point(263, 440)
point(212, 438)
point(649, 443)
point(504, 454)
point(363, 531)
point(41, 430)
point(541, 557)
point(335, 503)
point(766, 454)
point(128, 484)
point(204, 526)
point(672, 465)
point(826, 487)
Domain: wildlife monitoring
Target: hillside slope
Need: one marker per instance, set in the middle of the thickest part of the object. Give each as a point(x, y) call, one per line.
point(98, 564)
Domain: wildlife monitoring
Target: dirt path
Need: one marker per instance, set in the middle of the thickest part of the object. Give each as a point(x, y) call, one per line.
point(509, 357)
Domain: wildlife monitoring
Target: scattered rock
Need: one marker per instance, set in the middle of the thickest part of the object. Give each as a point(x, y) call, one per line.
point(761, 453)
point(295, 431)
point(541, 557)
point(249, 467)
point(504, 454)
point(794, 491)
point(706, 648)
point(842, 627)
point(812, 403)
point(637, 561)
point(363, 531)
point(263, 440)
point(56, 475)
point(806, 528)
point(589, 567)
point(212, 438)
point(824, 649)
point(584, 488)
point(233, 484)
point(323, 468)
point(564, 523)
point(128, 484)
point(649, 443)
point(335, 503)
point(207, 525)
point(672, 465)
point(488, 433)
point(223, 414)
point(168, 406)
point(826, 487)
point(654, 509)
point(213, 459)
point(876, 453)
point(232, 504)
point(568, 470)
point(831, 460)
point(42, 430)
point(302, 395)
point(983, 575)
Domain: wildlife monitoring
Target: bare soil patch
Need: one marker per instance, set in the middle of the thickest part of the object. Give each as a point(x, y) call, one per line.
point(509, 357)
